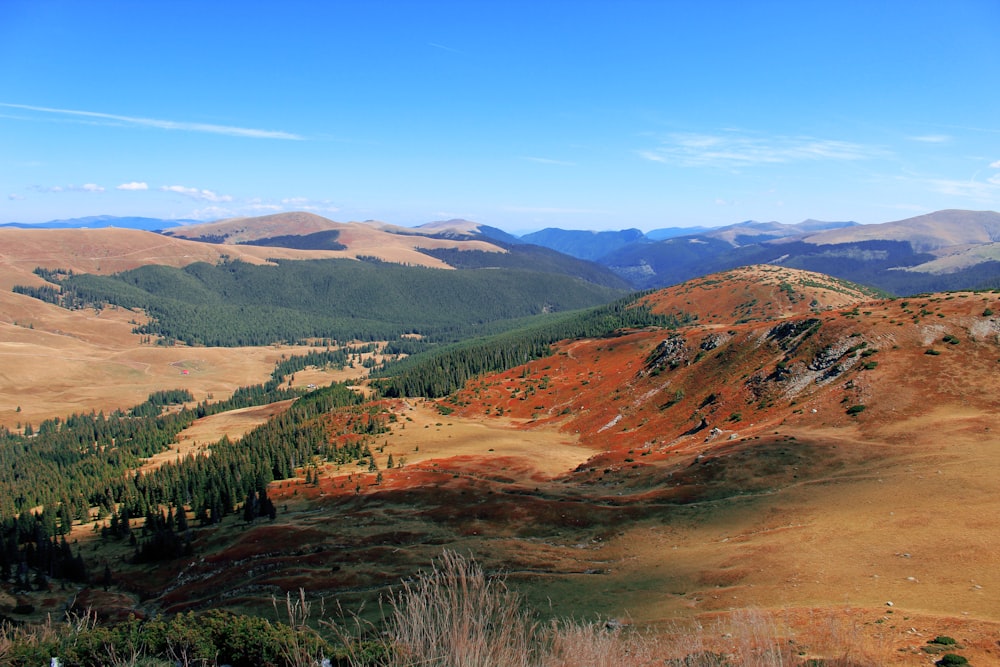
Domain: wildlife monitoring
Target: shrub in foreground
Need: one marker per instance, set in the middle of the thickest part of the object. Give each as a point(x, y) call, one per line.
point(454, 615)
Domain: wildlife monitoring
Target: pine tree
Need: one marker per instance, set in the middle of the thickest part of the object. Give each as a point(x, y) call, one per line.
point(250, 507)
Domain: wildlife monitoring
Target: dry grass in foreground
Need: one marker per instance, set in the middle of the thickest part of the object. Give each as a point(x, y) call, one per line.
point(457, 616)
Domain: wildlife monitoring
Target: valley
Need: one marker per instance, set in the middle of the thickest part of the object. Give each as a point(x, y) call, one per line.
point(790, 445)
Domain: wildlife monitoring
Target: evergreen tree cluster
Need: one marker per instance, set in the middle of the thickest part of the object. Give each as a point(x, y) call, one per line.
point(68, 466)
point(443, 371)
point(46, 293)
point(160, 399)
point(32, 544)
point(330, 358)
point(67, 479)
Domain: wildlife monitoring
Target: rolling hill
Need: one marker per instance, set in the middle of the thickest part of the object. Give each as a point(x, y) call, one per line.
point(352, 239)
point(945, 250)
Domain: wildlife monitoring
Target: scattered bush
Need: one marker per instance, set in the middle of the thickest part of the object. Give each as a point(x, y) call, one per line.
point(944, 640)
point(949, 659)
point(855, 409)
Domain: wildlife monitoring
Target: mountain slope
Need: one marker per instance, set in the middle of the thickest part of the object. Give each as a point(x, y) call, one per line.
point(584, 244)
point(787, 461)
point(758, 294)
point(939, 251)
point(463, 229)
point(110, 250)
point(933, 232)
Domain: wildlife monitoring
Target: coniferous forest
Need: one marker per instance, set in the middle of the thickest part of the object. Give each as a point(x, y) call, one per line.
point(238, 304)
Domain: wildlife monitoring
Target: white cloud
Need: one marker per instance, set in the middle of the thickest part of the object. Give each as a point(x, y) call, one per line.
point(161, 124)
point(134, 185)
point(995, 165)
point(932, 138)
point(734, 149)
point(14, 197)
point(91, 187)
point(195, 193)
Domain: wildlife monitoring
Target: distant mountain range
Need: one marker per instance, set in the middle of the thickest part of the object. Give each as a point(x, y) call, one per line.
point(939, 251)
point(102, 221)
point(951, 249)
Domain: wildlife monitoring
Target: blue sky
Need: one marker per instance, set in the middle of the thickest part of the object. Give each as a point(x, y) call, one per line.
point(519, 115)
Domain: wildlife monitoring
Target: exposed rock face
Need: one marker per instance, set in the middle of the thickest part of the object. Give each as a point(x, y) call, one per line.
point(670, 353)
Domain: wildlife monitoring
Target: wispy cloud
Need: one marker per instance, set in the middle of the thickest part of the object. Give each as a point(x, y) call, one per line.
point(14, 197)
point(212, 213)
point(550, 209)
point(995, 165)
point(195, 193)
point(311, 205)
point(257, 207)
point(932, 138)
point(732, 149)
point(134, 185)
point(987, 191)
point(546, 160)
point(162, 124)
point(443, 47)
point(56, 189)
